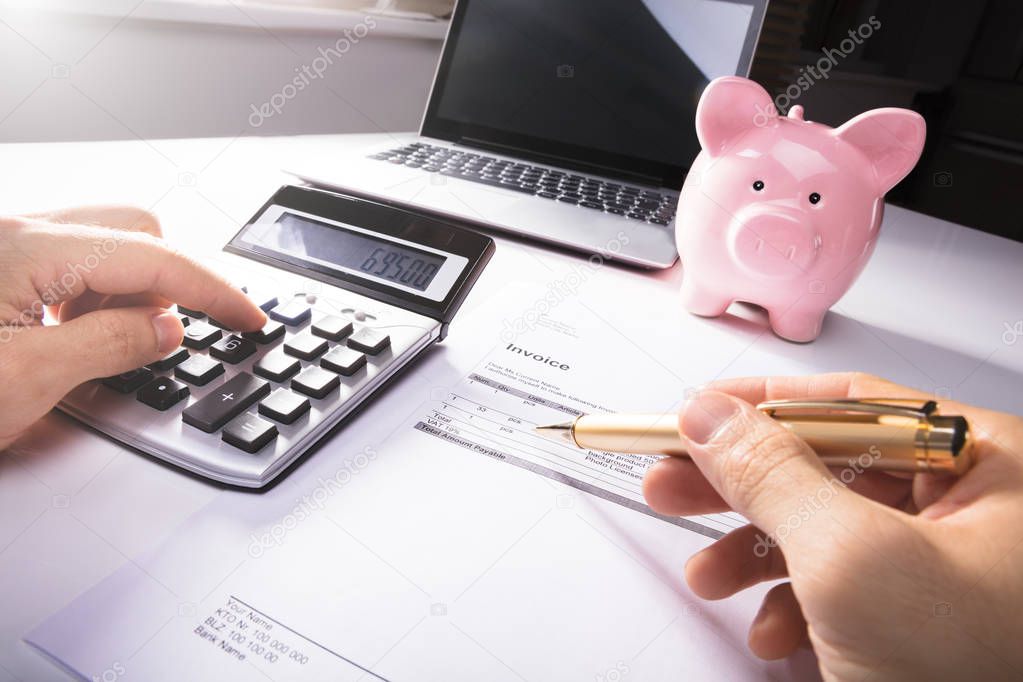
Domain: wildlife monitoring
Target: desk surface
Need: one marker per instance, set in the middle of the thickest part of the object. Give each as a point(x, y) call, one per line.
point(938, 308)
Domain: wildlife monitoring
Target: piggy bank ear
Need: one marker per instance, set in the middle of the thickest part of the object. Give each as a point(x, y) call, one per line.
point(891, 139)
point(728, 108)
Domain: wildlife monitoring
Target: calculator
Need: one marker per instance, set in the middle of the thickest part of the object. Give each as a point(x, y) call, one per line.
point(354, 290)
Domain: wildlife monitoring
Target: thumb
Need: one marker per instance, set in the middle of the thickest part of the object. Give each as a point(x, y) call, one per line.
point(104, 343)
point(762, 470)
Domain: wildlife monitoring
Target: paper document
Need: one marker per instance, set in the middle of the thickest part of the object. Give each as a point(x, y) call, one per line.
point(438, 538)
point(493, 412)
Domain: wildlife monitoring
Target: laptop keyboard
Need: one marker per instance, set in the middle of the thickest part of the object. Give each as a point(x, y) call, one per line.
point(638, 204)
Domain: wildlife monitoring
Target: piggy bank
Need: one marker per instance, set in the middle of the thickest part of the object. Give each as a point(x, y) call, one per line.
point(782, 212)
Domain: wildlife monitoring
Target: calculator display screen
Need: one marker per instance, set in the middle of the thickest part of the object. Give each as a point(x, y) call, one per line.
point(355, 251)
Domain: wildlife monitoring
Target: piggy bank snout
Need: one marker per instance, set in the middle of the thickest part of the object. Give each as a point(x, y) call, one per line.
point(774, 242)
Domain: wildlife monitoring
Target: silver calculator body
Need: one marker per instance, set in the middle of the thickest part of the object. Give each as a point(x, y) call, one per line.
point(350, 330)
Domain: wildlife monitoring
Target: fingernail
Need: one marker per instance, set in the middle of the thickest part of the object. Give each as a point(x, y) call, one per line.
point(168, 331)
point(706, 414)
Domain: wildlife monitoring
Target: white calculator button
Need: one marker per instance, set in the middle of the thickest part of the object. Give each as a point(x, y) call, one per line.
point(369, 341)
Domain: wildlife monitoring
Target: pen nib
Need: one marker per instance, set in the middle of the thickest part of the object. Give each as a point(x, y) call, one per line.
point(558, 432)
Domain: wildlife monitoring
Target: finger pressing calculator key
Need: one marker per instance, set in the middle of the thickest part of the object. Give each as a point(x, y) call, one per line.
point(361, 297)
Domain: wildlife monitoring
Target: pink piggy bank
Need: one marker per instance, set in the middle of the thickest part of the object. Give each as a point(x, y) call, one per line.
point(781, 212)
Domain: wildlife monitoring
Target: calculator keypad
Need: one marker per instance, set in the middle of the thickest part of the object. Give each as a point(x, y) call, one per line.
point(250, 388)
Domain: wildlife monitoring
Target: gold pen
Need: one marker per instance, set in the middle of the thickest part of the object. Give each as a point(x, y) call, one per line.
point(901, 435)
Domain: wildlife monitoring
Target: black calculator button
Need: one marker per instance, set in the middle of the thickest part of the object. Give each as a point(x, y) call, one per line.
point(293, 312)
point(315, 382)
point(232, 349)
point(129, 381)
point(199, 370)
point(343, 361)
point(197, 314)
point(170, 361)
point(332, 327)
point(369, 341)
point(270, 332)
point(163, 393)
point(284, 406)
point(200, 335)
point(249, 433)
point(305, 346)
point(185, 320)
point(277, 366)
point(227, 402)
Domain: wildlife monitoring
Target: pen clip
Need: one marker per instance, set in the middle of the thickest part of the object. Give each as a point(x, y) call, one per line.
point(900, 407)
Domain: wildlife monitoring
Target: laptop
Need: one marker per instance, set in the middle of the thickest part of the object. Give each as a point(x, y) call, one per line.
point(565, 121)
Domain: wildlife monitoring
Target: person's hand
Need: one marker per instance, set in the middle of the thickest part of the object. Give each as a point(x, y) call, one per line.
point(105, 275)
point(907, 578)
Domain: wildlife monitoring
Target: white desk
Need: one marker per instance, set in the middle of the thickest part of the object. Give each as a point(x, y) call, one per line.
point(937, 308)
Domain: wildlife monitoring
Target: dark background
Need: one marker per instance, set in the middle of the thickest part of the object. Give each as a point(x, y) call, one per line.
point(959, 63)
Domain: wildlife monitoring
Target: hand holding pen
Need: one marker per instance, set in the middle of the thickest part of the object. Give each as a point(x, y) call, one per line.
point(888, 575)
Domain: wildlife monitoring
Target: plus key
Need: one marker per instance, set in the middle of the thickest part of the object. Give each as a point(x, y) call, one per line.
point(230, 400)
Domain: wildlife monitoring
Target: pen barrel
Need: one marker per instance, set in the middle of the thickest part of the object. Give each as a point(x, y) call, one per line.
point(654, 434)
point(887, 443)
point(893, 447)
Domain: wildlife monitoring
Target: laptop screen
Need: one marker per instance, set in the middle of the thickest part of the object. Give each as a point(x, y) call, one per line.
point(602, 86)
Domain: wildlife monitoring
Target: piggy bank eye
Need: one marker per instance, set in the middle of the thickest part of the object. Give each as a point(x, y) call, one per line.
point(815, 198)
point(758, 185)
